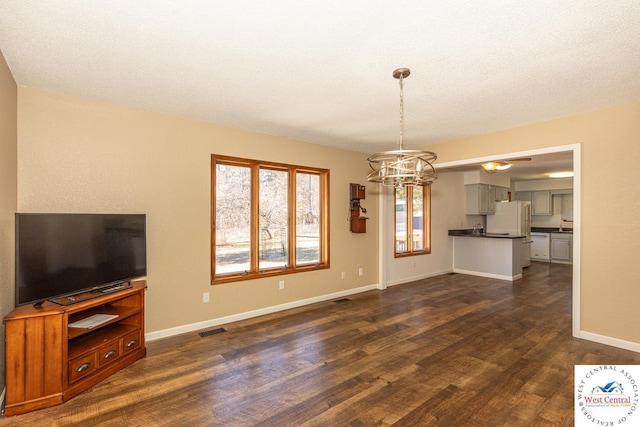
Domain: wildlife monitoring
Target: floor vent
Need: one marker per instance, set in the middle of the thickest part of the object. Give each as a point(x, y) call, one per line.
point(212, 332)
point(340, 301)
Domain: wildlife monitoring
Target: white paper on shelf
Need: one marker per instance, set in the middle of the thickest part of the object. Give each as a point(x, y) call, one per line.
point(92, 321)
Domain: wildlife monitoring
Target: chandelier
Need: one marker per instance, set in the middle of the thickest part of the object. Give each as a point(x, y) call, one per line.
point(402, 168)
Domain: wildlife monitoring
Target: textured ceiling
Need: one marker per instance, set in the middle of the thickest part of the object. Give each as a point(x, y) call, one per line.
point(321, 71)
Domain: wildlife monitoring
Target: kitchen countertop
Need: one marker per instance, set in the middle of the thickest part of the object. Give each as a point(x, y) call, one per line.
point(550, 230)
point(469, 233)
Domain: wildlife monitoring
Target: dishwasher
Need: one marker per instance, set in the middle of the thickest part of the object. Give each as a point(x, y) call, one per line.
point(540, 247)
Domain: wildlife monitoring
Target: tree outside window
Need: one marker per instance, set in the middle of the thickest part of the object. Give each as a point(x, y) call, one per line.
point(412, 220)
point(267, 219)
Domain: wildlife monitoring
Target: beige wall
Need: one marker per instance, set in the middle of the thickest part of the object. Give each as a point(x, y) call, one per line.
point(77, 155)
point(8, 196)
point(610, 197)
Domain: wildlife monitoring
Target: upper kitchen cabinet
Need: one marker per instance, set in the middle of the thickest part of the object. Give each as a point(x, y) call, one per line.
point(481, 199)
point(566, 210)
point(540, 201)
point(502, 194)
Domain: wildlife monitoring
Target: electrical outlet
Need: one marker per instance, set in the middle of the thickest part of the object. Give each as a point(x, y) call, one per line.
point(205, 297)
point(281, 284)
point(360, 272)
point(344, 275)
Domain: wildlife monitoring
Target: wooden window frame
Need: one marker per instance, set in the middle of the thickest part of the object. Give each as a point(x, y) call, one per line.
point(426, 222)
point(292, 267)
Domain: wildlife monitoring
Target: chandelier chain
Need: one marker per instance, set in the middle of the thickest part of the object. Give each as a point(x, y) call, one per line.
point(401, 142)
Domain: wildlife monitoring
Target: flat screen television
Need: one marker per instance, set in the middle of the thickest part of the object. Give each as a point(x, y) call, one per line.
point(61, 255)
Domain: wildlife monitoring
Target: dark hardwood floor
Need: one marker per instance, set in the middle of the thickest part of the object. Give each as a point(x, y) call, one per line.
point(453, 350)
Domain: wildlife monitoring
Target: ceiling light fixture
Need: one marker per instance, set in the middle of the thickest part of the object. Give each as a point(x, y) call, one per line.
point(492, 167)
point(402, 168)
point(561, 175)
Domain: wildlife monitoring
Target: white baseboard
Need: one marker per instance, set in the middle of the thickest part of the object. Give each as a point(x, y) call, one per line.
point(419, 277)
point(150, 336)
point(489, 275)
point(613, 342)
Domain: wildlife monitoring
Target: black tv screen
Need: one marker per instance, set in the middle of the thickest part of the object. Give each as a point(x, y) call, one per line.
point(64, 254)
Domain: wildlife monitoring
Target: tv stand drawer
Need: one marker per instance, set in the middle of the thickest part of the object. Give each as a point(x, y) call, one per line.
point(81, 367)
point(109, 353)
point(132, 341)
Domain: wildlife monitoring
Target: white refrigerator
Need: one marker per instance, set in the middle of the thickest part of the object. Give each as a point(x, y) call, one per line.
point(511, 218)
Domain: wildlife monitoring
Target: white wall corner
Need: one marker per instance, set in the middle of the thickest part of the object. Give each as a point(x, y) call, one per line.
point(613, 342)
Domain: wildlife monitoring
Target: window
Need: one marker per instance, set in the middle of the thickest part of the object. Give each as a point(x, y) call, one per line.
point(267, 219)
point(412, 220)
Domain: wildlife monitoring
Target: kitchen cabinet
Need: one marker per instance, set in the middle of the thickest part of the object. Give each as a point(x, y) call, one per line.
point(540, 201)
point(480, 199)
point(502, 194)
point(495, 257)
point(566, 207)
point(561, 247)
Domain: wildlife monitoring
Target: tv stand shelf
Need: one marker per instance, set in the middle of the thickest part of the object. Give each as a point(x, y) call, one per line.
point(121, 312)
point(48, 362)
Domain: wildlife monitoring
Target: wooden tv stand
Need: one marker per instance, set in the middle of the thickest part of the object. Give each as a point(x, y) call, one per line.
point(48, 362)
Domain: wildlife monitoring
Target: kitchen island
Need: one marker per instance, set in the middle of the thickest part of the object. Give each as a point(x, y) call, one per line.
point(488, 255)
